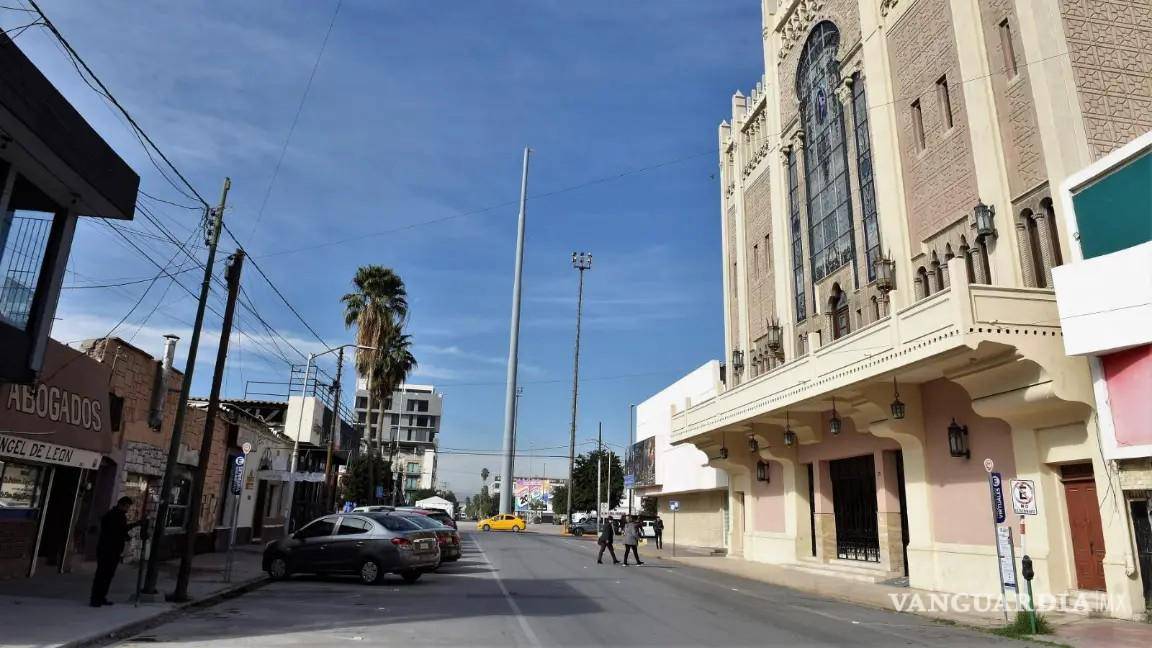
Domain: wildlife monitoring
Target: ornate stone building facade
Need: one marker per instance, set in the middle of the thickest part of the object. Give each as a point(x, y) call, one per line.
point(889, 237)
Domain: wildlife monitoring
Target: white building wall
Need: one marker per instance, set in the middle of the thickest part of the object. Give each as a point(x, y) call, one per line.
point(680, 468)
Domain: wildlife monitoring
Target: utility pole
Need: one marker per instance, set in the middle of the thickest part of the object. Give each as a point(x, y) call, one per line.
point(329, 477)
point(214, 220)
point(628, 450)
point(232, 278)
point(394, 444)
point(581, 261)
point(513, 349)
point(599, 466)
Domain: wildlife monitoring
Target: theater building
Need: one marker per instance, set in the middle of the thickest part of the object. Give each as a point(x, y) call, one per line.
point(890, 222)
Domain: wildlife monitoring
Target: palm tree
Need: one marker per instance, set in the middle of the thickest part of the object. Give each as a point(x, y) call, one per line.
point(378, 308)
point(396, 362)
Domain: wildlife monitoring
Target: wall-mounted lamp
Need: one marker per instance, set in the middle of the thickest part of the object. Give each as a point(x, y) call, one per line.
point(885, 274)
point(738, 361)
point(775, 336)
point(834, 424)
point(723, 452)
point(762, 471)
point(753, 444)
point(985, 220)
point(789, 435)
point(958, 440)
point(897, 405)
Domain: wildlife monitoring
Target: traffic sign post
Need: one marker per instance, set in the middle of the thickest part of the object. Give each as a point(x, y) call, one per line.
point(237, 490)
point(674, 505)
point(1024, 502)
point(996, 494)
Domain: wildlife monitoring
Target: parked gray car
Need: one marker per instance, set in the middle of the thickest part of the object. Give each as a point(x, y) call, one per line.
point(367, 544)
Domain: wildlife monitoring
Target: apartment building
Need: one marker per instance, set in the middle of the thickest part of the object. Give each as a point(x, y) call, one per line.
point(890, 224)
point(406, 427)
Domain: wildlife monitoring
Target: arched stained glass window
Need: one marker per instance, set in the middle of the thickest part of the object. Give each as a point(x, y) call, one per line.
point(826, 159)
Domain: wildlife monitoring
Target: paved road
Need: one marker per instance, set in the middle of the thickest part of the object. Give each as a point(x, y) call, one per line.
point(534, 589)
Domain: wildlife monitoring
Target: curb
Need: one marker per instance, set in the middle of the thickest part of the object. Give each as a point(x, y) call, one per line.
point(127, 630)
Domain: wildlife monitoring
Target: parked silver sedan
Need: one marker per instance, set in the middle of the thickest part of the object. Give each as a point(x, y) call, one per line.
point(367, 544)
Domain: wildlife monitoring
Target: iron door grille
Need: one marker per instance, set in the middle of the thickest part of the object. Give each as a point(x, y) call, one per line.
point(854, 504)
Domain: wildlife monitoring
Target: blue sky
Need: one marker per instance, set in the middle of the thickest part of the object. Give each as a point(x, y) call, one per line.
point(419, 112)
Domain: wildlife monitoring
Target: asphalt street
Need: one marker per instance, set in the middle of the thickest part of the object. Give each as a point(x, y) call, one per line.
point(534, 589)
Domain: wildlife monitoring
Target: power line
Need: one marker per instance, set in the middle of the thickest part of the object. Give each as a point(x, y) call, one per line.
point(296, 118)
point(75, 56)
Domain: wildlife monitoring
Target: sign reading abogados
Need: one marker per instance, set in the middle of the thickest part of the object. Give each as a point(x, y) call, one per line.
point(57, 405)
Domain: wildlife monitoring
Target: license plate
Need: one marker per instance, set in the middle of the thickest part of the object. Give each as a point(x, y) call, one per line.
point(425, 545)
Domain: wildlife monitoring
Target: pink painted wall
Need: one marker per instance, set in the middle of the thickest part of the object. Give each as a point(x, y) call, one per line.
point(958, 488)
point(768, 500)
point(849, 443)
point(1129, 377)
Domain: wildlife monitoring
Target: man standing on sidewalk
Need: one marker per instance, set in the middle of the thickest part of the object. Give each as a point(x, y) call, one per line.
point(114, 528)
point(658, 527)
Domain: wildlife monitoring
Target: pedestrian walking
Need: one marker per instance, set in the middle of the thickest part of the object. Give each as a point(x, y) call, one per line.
point(114, 528)
point(607, 530)
point(631, 539)
point(658, 526)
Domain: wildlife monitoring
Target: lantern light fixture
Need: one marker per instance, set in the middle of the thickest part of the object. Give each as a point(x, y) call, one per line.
point(738, 361)
point(958, 440)
point(723, 452)
point(985, 220)
point(885, 274)
point(753, 444)
point(775, 335)
point(835, 424)
point(898, 409)
point(789, 435)
point(762, 471)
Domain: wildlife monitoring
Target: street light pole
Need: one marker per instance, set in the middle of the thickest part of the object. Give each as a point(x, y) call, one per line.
point(628, 450)
point(599, 467)
point(288, 508)
point(581, 261)
point(513, 349)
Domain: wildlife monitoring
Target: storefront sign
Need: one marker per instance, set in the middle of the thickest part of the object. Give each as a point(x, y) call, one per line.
point(13, 447)
point(67, 409)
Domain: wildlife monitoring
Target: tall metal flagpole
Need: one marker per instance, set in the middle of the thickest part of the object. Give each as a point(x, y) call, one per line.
point(581, 261)
point(513, 349)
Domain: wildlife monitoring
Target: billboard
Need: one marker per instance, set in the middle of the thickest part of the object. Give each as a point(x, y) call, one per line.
point(640, 470)
point(534, 493)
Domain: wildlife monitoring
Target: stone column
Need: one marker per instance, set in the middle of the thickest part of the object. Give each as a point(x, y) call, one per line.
point(1044, 227)
point(979, 269)
point(1024, 244)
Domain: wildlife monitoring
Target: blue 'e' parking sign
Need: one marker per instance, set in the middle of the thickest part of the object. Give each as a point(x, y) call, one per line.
point(998, 497)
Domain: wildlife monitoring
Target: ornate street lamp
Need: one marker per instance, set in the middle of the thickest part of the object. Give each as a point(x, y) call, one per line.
point(762, 471)
point(885, 274)
point(897, 405)
point(958, 440)
point(985, 216)
point(737, 361)
point(834, 424)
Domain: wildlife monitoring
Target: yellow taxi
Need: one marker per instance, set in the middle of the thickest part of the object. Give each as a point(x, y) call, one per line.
point(502, 523)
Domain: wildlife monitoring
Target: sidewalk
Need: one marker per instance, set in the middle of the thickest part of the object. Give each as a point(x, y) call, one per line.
point(1069, 629)
point(51, 609)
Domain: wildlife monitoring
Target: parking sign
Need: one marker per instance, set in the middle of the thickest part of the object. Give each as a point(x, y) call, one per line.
point(673, 505)
point(1024, 497)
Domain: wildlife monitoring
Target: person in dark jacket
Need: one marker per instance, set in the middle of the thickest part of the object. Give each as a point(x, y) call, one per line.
point(607, 530)
point(658, 526)
point(114, 528)
point(631, 539)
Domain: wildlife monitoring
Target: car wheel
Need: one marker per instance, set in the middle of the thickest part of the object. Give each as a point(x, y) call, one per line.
point(370, 573)
point(410, 576)
point(486, 527)
point(517, 529)
point(577, 532)
point(278, 568)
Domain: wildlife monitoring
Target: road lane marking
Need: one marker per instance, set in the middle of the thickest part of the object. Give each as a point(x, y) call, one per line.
point(532, 639)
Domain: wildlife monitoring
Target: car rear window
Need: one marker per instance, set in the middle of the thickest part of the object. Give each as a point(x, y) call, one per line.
point(422, 521)
point(440, 517)
point(395, 522)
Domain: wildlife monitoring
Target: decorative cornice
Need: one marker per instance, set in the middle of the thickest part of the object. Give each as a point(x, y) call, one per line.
point(796, 25)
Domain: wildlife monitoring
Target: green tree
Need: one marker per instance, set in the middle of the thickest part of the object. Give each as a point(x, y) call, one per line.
point(365, 473)
point(584, 481)
point(378, 308)
point(560, 500)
